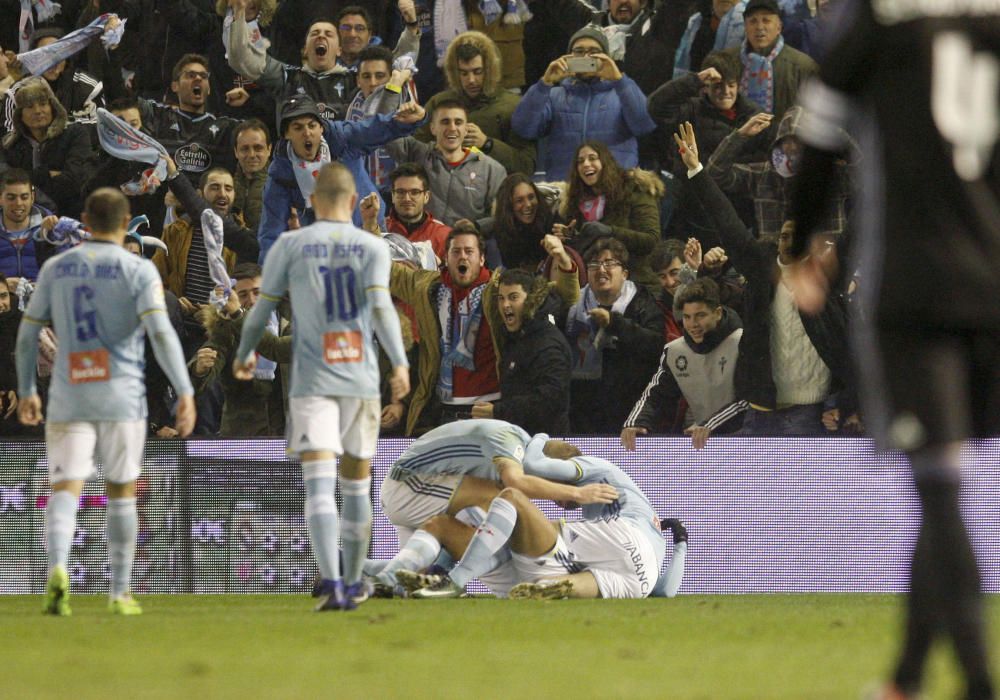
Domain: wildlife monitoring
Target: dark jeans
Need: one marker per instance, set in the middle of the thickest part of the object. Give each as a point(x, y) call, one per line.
point(802, 420)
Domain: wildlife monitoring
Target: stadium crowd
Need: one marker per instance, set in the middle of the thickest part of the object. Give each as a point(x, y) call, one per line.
point(557, 263)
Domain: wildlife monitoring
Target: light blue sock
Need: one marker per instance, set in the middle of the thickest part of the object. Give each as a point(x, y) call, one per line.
point(60, 524)
point(356, 525)
point(123, 528)
point(489, 539)
point(419, 552)
point(321, 517)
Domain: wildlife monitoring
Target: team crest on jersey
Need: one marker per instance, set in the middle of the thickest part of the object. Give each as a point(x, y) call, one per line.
point(158, 294)
point(341, 346)
point(193, 158)
point(89, 366)
point(518, 453)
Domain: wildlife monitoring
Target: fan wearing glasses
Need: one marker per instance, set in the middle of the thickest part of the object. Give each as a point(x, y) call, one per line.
point(615, 332)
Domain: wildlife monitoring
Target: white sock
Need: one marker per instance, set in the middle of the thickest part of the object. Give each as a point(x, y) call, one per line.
point(355, 525)
point(123, 527)
point(419, 552)
point(321, 517)
point(489, 539)
point(60, 524)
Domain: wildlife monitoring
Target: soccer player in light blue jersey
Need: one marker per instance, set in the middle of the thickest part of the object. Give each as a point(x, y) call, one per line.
point(457, 466)
point(99, 298)
point(616, 551)
point(338, 278)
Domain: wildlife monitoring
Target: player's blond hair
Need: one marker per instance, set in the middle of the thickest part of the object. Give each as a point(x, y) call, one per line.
point(334, 183)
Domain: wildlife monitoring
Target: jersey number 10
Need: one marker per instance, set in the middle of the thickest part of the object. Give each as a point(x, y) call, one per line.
point(338, 283)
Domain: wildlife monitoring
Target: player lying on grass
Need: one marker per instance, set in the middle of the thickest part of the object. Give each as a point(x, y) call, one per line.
point(462, 465)
point(615, 552)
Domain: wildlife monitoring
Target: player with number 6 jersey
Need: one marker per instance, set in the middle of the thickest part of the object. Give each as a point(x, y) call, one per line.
point(99, 297)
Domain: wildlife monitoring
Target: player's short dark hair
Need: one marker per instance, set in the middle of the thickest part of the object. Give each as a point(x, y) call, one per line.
point(354, 10)
point(375, 53)
point(560, 449)
point(247, 271)
point(105, 210)
point(186, 60)
point(464, 227)
point(514, 275)
point(410, 170)
point(203, 180)
point(704, 290)
point(450, 103)
point(729, 66)
point(616, 247)
point(250, 125)
point(121, 104)
point(326, 19)
point(664, 252)
point(15, 176)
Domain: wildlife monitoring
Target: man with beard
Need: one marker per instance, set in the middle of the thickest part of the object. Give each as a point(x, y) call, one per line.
point(197, 140)
point(411, 192)
point(458, 343)
point(699, 366)
point(534, 355)
point(21, 255)
point(184, 267)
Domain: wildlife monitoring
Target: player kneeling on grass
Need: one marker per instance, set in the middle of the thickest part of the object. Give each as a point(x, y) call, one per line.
point(458, 466)
point(338, 277)
point(99, 298)
point(615, 552)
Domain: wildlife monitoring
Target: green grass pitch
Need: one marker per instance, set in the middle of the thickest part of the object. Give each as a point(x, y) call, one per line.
point(697, 647)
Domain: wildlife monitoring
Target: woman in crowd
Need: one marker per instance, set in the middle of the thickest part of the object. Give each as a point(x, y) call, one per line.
point(522, 217)
point(608, 201)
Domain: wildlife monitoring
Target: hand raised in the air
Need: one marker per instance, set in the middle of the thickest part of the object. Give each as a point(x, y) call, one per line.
point(687, 146)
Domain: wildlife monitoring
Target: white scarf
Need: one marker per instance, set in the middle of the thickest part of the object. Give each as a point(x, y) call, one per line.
point(306, 171)
point(257, 40)
point(449, 22)
point(265, 368)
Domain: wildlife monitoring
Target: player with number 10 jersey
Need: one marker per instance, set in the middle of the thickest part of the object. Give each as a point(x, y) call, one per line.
point(329, 269)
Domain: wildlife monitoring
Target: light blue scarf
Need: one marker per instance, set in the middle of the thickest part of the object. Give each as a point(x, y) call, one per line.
point(588, 341)
point(458, 335)
point(757, 83)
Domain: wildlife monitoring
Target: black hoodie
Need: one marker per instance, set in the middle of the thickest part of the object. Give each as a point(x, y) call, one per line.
point(535, 368)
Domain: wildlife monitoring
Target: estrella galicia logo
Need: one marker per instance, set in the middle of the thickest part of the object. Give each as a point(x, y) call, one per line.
point(681, 363)
point(193, 158)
